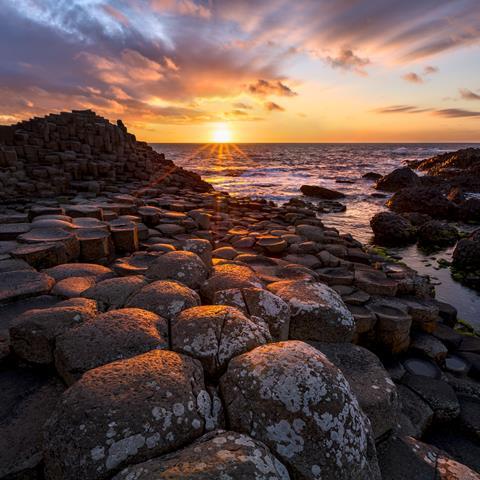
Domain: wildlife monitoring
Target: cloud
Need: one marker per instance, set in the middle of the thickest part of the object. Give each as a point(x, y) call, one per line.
point(347, 60)
point(466, 94)
point(412, 77)
point(429, 70)
point(456, 113)
point(273, 107)
point(264, 88)
point(444, 112)
point(242, 106)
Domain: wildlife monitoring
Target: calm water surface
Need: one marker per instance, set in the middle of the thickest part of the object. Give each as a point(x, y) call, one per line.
point(276, 172)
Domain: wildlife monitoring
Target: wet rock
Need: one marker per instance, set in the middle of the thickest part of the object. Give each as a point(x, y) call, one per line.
point(321, 192)
point(33, 334)
point(466, 255)
point(228, 276)
point(427, 200)
point(123, 413)
point(311, 232)
point(416, 414)
point(392, 229)
point(470, 415)
point(424, 313)
point(27, 399)
point(23, 283)
point(372, 176)
point(272, 244)
point(370, 383)
point(114, 292)
point(438, 394)
point(214, 334)
point(111, 336)
point(317, 312)
point(218, 454)
point(398, 179)
point(470, 210)
point(276, 394)
point(404, 458)
point(429, 346)
point(375, 282)
point(335, 275)
point(422, 366)
point(227, 253)
point(68, 270)
point(259, 303)
point(165, 298)
point(457, 365)
point(185, 267)
point(437, 234)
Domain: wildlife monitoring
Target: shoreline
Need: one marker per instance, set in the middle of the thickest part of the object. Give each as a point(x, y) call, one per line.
point(243, 310)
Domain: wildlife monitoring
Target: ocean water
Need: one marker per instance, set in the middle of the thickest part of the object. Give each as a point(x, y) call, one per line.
point(276, 172)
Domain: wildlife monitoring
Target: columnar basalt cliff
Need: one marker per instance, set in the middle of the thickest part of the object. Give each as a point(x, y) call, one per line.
point(78, 151)
point(152, 327)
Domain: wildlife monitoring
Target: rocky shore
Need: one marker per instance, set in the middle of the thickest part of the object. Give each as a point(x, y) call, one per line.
point(152, 327)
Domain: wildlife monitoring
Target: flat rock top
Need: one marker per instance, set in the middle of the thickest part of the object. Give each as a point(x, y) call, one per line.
point(18, 284)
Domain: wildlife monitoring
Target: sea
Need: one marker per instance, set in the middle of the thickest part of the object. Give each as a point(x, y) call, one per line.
point(276, 171)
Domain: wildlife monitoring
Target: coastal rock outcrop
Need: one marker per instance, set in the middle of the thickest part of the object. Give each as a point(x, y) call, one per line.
point(321, 192)
point(400, 178)
point(392, 229)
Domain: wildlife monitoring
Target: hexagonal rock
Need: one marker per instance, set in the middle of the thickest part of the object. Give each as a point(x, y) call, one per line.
point(23, 283)
point(202, 247)
point(108, 337)
point(69, 241)
point(73, 286)
point(185, 267)
point(317, 312)
point(370, 382)
point(217, 455)
point(114, 292)
point(165, 298)
point(33, 333)
point(214, 334)
point(125, 412)
point(289, 396)
point(228, 276)
point(136, 264)
point(375, 282)
point(95, 244)
point(79, 270)
point(259, 303)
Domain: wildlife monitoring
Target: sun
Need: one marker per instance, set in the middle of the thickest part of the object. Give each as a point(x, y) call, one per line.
point(222, 134)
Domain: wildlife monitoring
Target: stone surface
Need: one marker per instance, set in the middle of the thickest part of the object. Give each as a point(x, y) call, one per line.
point(228, 276)
point(392, 229)
point(214, 334)
point(416, 414)
point(398, 179)
point(165, 298)
point(278, 394)
point(217, 455)
point(33, 334)
point(259, 303)
point(370, 383)
point(317, 312)
point(320, 192)
point(73, 286)
point(111, 336)
point(23, 283)
point(125, 412)
point(27, 399)
point(68, 270)
point(182, 266)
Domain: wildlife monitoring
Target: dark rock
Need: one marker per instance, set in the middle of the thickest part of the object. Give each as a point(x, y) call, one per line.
point(466, 255)
point(437, 234)
point(392, 229)
point(416, 414)
point(400, 178)
point(23, 283)
point(320, 192)
point(470, 210)
point(372, 176)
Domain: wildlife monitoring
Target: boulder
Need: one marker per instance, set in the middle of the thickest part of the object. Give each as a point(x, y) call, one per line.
point(202, 247)
point(372, 176)
point(400, 178)
point(73, 286)
point(182, 266)
point(20, 284)
point(216, 455)
point(111, 336)
point(317, 312)
point(470, 210)
point(114, 292)
point(165, 298)
point(466, 255)
point(123, 413)
point(370, 383)
point(259, 303)
point(427, 200)
point(392, 229)
point(60, 272)
point(33, 334)
point(437, 234)
point(214, 334)
point(228, 276)
point(289, 396)
point(416, 415)
point(321, 192)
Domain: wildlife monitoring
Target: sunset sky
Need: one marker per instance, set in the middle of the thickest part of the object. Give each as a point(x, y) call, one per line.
point(262, 70)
